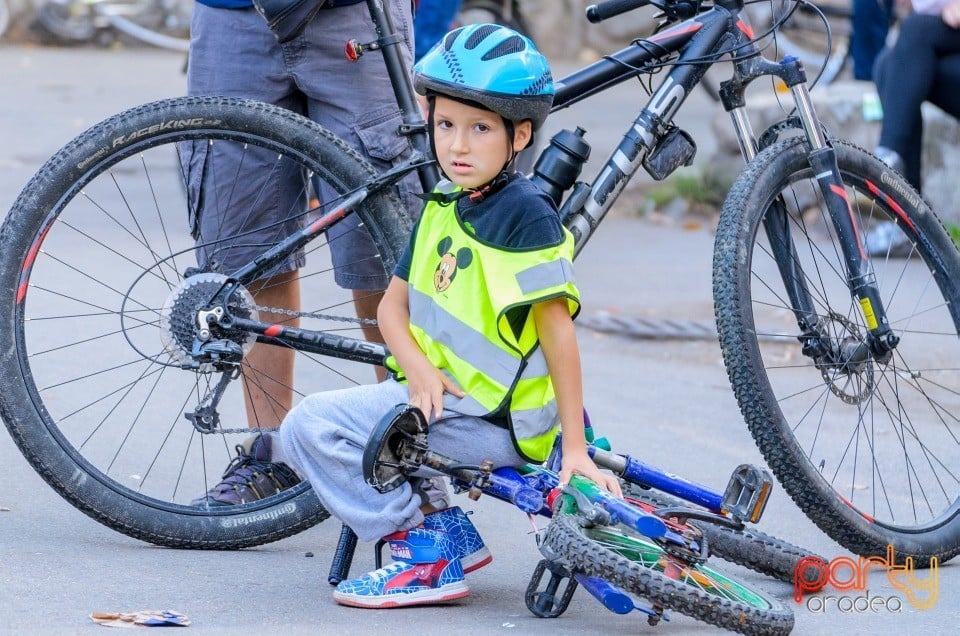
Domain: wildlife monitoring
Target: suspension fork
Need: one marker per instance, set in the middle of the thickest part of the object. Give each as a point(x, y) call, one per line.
point(860, 276)
point(776, 225)
point(776, 220)
point(822, 158)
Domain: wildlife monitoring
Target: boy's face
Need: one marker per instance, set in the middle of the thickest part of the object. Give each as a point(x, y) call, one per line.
point(473, 144)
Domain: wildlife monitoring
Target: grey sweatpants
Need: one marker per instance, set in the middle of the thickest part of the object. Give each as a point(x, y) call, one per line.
point(323, 438)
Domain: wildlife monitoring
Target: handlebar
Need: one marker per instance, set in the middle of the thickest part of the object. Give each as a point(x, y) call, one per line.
point(609, 8)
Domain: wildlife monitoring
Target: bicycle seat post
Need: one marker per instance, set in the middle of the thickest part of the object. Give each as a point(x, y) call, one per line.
point(413, 127)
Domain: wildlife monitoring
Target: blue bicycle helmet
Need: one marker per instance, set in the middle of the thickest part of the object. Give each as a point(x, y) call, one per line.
point(493, 66)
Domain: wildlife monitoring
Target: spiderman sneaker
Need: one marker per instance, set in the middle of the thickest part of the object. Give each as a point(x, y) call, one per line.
point(251, 476)
point(428, 573)
point(473, 553)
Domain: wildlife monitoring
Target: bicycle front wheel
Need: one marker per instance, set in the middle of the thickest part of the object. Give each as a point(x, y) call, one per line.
point(869, 449)
point(96, 261)
point(746, 546)
point(641, 567)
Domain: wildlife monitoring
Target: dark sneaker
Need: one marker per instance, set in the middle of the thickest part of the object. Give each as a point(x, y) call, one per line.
point(251, 476)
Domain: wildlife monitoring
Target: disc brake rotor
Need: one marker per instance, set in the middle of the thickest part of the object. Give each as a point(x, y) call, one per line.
point(855, 385)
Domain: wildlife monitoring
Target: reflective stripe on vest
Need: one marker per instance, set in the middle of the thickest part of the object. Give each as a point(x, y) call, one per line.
point(469, 313)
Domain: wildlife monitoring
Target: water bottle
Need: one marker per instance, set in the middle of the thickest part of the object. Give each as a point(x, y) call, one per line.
point(559, 165)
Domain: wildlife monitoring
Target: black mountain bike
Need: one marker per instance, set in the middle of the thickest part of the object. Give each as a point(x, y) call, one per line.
point(123, 358)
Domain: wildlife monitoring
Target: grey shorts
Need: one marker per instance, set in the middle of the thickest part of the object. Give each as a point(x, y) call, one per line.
point(233, 53)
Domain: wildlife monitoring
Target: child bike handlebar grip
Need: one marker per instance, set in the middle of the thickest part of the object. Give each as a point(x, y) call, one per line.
point(343, 556)
point(604, 10)
point(612, 597)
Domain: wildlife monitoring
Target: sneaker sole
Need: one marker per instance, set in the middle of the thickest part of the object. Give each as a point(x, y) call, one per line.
point(476, 560)
point(449, 592)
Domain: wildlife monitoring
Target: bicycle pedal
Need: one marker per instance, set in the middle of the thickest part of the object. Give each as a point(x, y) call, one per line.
point(747, 493)
point(548, 603)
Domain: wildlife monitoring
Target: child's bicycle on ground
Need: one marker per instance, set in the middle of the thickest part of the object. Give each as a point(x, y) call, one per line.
point(614, 547)
point(124, 360)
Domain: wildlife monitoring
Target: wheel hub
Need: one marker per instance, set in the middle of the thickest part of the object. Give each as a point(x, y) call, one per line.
point(850, 380)
point(180, 319)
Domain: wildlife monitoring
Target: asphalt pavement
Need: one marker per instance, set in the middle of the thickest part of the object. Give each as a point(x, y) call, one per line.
point(668, 402)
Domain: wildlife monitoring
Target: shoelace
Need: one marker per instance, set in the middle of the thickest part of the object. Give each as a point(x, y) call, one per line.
point(388, 571)
point(243, 470)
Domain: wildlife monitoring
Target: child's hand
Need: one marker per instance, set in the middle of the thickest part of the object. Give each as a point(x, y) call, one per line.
point(581, 464)
point(427, 386)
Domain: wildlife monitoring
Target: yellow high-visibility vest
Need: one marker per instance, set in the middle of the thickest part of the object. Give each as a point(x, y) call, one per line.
point(463, 294)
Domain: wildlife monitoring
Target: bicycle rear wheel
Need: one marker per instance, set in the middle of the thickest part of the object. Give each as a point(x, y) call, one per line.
point(95, 245)
point(641, 567)
point(869, 450)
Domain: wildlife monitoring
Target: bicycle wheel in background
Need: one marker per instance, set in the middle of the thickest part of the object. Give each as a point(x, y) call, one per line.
point(641, 567)
point(4, 17)
point(69, 21)
point(869, 450)
point(803, 35)
point(98, 315)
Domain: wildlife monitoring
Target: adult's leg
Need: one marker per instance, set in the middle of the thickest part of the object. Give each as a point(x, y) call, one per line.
point(945, 94)
point(233, 53)
point(356, 101)
point(871, 21)
point(268, 374)
point(905, 79)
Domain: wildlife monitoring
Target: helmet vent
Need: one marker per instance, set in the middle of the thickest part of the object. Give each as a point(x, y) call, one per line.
point(480, 35)
point(448, 41)
point(513, 44)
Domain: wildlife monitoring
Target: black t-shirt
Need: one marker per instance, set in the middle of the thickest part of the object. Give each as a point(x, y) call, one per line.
point(518, 216)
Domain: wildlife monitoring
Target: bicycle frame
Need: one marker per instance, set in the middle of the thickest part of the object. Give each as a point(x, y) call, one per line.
point(695, 42)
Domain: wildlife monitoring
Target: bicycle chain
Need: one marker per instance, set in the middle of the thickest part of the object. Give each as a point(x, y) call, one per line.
point(294, 314)
point(243, 431)
point(318, 316)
